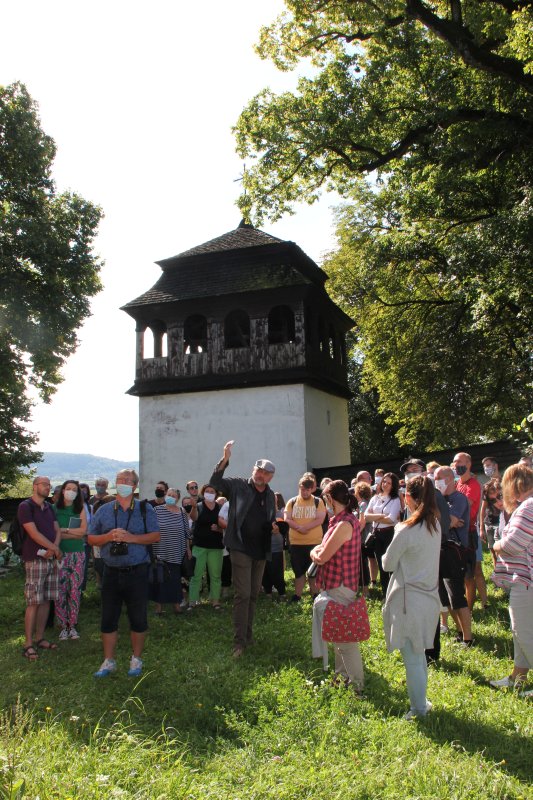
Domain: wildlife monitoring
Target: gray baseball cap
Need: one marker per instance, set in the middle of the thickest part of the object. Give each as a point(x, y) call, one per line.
point(264, 463)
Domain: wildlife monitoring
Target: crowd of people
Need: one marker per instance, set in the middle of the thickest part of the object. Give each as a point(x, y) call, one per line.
point(419, 535)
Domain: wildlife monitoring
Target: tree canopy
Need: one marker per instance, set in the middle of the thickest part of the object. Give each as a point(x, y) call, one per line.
point(48, 273)
point(420, 116)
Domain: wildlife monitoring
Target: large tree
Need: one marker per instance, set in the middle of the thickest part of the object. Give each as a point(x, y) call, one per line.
point(421, 117)
point(48, 272)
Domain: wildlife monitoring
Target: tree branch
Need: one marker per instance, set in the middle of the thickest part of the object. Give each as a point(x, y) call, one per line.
point(462, 41)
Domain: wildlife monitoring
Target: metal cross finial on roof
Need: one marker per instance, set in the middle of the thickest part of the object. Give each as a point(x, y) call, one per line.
point(241, 178)
point(244, 201)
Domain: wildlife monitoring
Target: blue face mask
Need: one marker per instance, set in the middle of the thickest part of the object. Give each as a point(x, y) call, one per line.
point(170, 501)
point(124, 489)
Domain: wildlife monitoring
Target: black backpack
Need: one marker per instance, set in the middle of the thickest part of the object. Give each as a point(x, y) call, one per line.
point(17, 533)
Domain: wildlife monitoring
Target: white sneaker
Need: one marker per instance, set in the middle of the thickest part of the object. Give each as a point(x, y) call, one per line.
point(63, 635)
point(108, 666)
point(136, 667)
point(74, 634)
point(506, 683)
point(413, 713)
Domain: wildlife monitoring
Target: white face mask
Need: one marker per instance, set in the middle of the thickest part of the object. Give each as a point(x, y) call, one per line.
point(70, 495)
point(440, 484)
point(379, 478)
point(489, 471)
point(210, 497)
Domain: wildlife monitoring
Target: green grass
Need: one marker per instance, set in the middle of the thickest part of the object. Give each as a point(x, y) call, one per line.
point(201, 725)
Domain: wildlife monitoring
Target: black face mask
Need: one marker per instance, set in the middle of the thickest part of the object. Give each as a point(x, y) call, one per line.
point(159, 493)
point(460, 469)
point(187, 508)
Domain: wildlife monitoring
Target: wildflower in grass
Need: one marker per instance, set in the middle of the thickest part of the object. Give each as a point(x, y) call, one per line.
point(47, 708)
point(73, 718)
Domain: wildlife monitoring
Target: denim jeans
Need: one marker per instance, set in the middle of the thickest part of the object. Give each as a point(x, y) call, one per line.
point(416, 671)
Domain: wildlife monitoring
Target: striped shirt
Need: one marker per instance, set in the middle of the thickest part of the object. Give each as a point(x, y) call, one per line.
point(517, 544)
point(174, 530)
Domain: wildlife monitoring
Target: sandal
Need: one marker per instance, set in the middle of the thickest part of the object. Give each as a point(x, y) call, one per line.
point(44, 644)
point(30, 653)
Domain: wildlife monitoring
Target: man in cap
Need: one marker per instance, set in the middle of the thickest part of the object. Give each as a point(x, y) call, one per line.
point(251, 521)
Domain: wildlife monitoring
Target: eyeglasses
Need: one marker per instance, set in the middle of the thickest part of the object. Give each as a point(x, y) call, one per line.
point(192, 486)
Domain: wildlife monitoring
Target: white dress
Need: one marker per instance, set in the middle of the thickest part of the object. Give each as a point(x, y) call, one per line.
point(412, 605)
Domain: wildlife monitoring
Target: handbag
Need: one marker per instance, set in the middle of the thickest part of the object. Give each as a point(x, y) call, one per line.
point(349, 623)
point(346, 623)
point(187, 566)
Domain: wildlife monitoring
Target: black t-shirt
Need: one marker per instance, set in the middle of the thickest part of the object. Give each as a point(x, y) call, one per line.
point(256, 528)
point(203, 536)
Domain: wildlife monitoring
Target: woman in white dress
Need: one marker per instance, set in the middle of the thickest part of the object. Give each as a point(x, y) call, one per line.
point(412, 605)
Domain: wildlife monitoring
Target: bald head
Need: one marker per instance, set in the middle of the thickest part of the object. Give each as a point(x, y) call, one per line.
point(444, 480)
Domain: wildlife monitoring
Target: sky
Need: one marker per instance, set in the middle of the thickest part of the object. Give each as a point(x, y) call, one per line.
point(140, 100)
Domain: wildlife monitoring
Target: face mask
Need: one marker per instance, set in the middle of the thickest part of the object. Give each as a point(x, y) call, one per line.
point(460, 469)
point(441, 485)
point(330, 510)
point(379, 478)
point(85, 494)
point(159, 493)
point(489, 471)
point(411, 475)
point(187, 508)
point(124, 489)
point(170, 501)
point(70, 495)
point(101, 490)
point(210, 497)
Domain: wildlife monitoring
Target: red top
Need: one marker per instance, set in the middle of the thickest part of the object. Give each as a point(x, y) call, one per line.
point(472, 491)
point(343, 567)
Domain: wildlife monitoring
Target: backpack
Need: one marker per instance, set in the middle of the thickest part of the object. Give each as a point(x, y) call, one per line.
point(16, 533)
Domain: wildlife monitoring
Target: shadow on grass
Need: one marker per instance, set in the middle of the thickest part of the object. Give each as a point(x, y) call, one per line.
point(192, 685)
point(503, 746)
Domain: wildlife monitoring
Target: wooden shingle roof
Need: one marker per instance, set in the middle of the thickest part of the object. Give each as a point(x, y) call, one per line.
point(242, 260)
point(243, 236)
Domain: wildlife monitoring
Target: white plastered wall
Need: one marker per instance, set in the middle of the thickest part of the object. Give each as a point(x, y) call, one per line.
point(326, 429)
point(182, 436)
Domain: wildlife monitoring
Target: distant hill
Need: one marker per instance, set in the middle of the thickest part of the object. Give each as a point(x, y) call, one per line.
point(81, 466)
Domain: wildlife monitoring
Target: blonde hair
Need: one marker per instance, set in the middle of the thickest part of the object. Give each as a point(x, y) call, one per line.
point(517, 480)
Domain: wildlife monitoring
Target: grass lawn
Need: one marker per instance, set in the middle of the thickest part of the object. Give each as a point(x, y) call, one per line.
point(270, 725)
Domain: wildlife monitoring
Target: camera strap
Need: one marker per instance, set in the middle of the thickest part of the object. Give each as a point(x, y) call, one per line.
point(130, 512)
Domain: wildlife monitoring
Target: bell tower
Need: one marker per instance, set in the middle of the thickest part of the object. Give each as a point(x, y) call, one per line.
point(247, 345)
